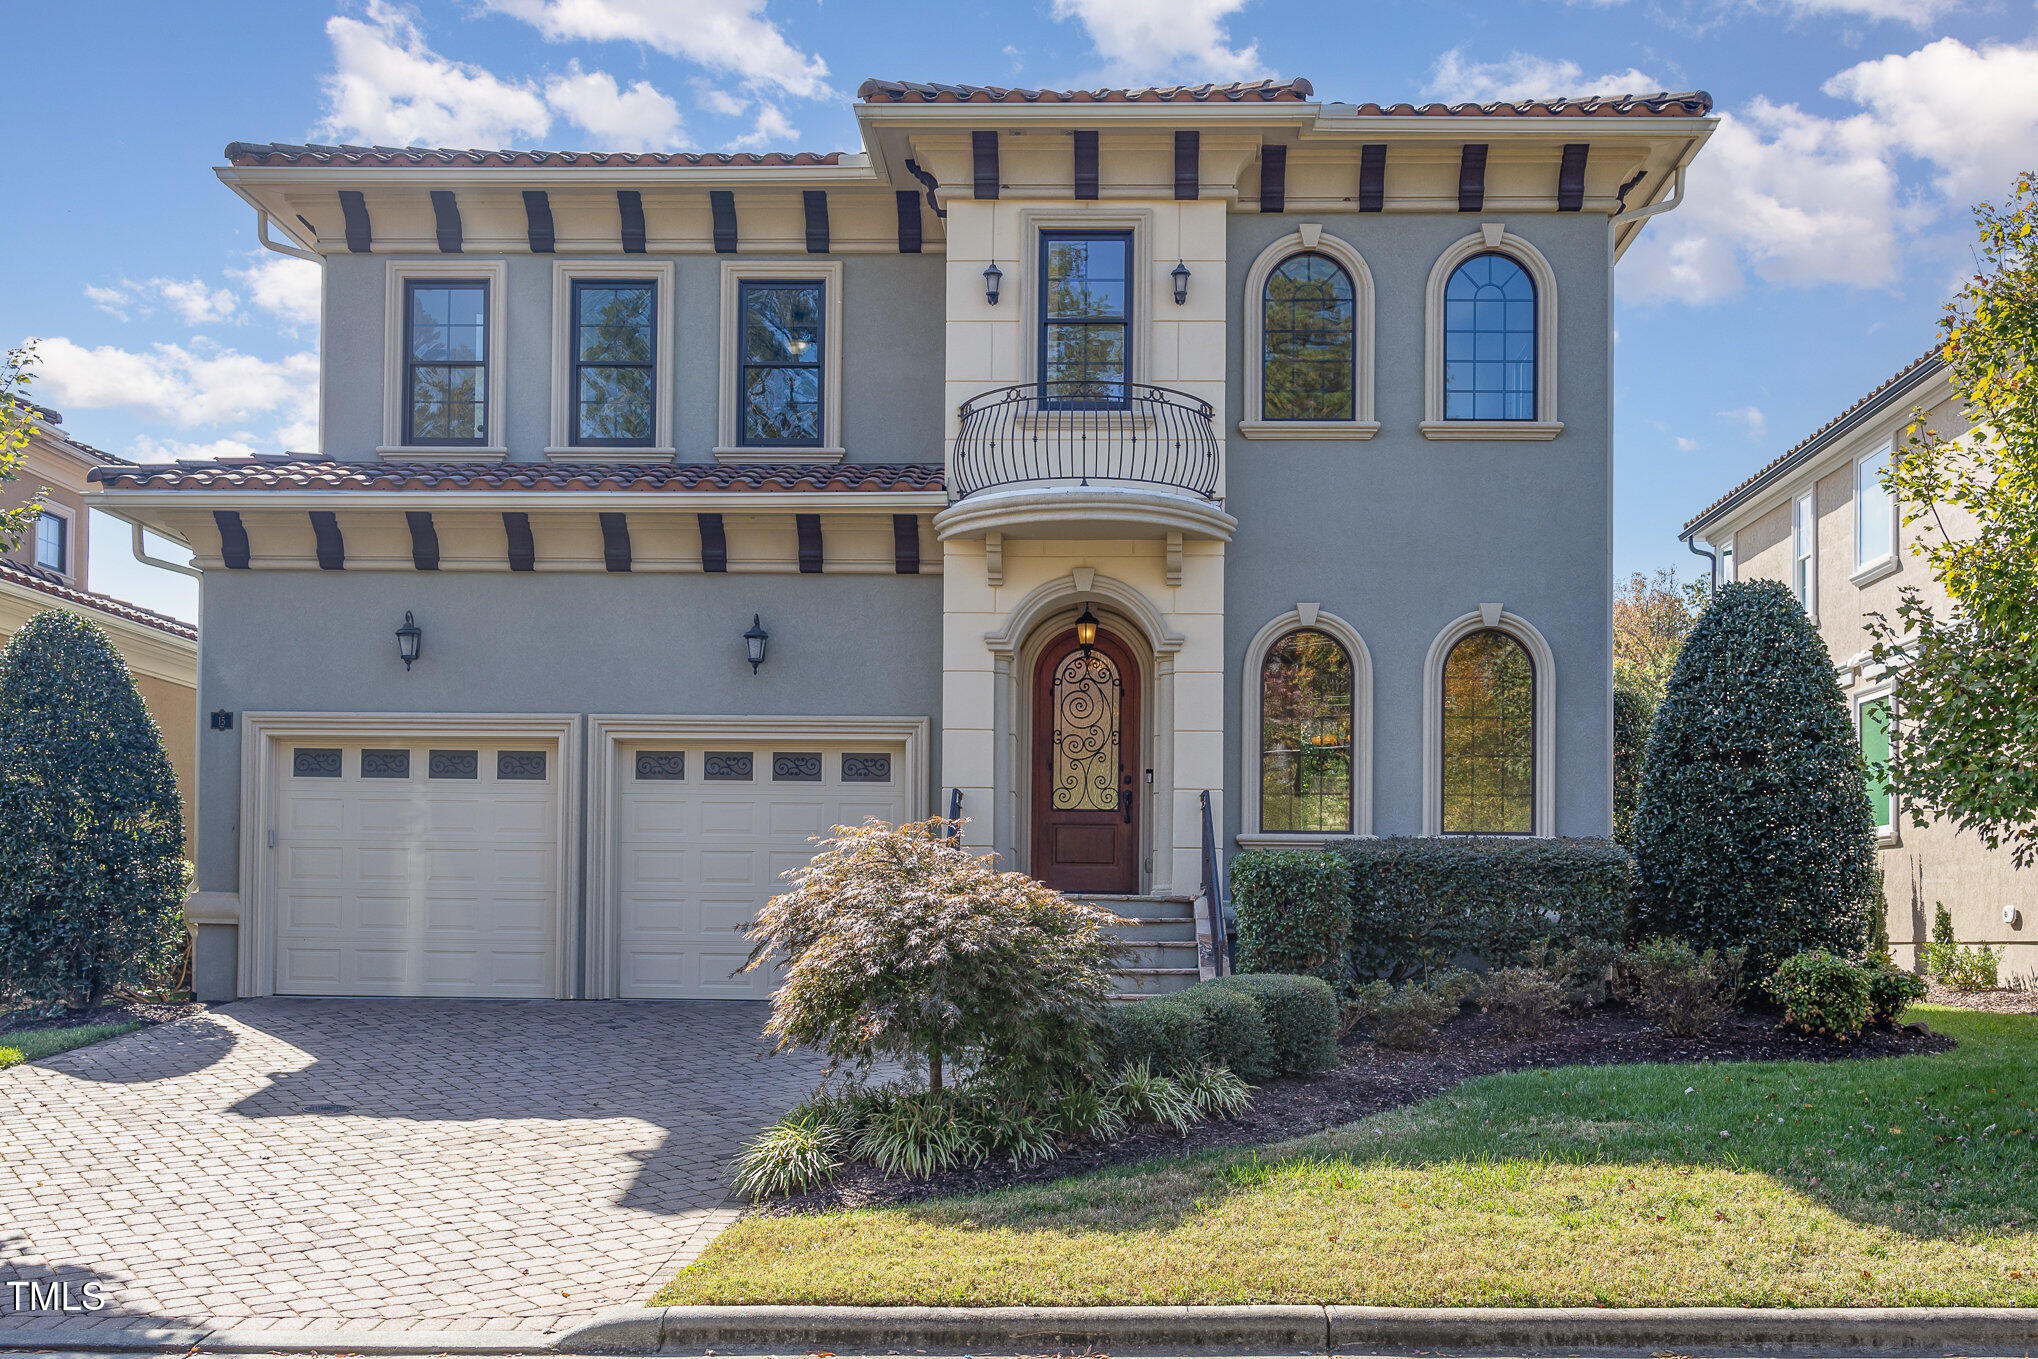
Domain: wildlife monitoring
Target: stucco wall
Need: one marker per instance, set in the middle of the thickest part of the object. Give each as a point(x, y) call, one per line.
point(175, 708)
point(892, 348)
point(1400, 535)
point(57, 481)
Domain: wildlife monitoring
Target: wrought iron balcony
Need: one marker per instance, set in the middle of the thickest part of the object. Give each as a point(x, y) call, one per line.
point(1085, 433)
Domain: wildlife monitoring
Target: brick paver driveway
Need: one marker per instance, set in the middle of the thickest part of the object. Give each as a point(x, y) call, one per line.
point(302, 1161)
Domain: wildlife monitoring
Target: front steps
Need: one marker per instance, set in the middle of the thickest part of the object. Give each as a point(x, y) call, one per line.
point(1162, 953)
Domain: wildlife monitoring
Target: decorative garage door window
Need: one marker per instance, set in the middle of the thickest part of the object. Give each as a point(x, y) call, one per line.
point(796, 766)
point(310, 763)
point(668, 766)
point(1087, 693)
point(454, 764)
point(385, 764)
point(866, 769)
point(728, 766)
point(520, 764)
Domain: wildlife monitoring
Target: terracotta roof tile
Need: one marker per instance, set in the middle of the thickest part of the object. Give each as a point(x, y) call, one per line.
point(1663, 104)
point(440, 157)
point(299, 472)
point(915, 92)
point(1916, 370)
point(49, 583)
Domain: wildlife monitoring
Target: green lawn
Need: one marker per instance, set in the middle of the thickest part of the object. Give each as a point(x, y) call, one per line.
point(27, 1045)
point(1905, 1181)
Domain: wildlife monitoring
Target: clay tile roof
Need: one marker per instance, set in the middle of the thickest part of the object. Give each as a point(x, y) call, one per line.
point(1687, 104)
point(51, 584)
point(439, 157)
point(914, 92)
point(1917, 370)
point(302, 472)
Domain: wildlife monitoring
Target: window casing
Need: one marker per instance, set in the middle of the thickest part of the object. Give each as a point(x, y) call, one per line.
point(446, 362)
point(781, 363)
point(1874, 512)
point(53, 543)
point(1804, 552)
point(1085, 315)
point(614, 361)
point(1309, 340)
point(1306, 736)
point(1490, 340)
point(1488, 756)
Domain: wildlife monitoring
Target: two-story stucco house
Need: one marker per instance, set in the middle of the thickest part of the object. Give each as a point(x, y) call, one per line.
point(1819, 519)
point(1143, 473)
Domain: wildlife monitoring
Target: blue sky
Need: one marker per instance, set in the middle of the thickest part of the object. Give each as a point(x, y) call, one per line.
point(1827, 220)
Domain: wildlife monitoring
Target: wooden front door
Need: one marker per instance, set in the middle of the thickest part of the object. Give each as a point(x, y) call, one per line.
point(1085, 766)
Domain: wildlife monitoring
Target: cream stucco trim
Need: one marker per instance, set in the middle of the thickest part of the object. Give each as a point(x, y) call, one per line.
point(1085, 512)
point(1308, 239)
point(496, 274)
point(261, 735)
point(626, 270)
point(608, 733)
point(829, 274)
point(1142, 293)
point(1492, 237)
point(1545, 663)
point(1301, 617)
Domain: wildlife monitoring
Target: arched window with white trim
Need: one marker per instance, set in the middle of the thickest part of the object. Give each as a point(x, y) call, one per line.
point(1306, 734)
point(1489, 349)
point(1489, 728)
point(1308, 359)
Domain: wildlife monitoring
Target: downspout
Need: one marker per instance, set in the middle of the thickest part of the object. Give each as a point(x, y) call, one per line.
point(140, 548)
point(280, 247)
point(1712, 558)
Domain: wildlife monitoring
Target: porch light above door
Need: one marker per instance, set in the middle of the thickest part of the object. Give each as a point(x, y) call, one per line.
point(754, 640)
point(1180, 274)
point(1086, 630)
point(993, 276)
point(410, 639)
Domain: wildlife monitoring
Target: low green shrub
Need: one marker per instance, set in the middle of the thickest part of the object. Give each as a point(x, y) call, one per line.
point(1585, 971)
point(1523, 1002)
point(1148, 1097)
point(1232, 1030)
point(1294, 911)
point(1890, 989)
point(1408, 1017)
point(1686, 991)
point(1964, 967)
point(1301, 1015)
point(1086, 1112)
point(800, 1152)
point(1822, 993)
point(1215, 1092)
point(1420, 903)
point(1164, 1033)
point(918, 1133)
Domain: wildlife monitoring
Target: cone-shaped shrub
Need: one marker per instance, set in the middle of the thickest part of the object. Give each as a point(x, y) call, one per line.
point(1753, 826)
point(92, 874)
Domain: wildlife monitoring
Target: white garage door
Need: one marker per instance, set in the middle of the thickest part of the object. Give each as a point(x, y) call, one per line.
point(417, 868)
point(703, 833)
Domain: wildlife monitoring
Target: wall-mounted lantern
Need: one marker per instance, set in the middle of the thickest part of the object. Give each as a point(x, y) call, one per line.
point(753, 642)
point(1180, 274)
point(993, 276)
point(410, 639)
point(1086, 630)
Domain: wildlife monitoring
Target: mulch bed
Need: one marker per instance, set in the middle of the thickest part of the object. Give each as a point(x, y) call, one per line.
point(118, 1012)
point(2000, 1000)
point(1372, 1079)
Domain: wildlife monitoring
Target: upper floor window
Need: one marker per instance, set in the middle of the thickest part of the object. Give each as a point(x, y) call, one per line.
point(615, 363)
point(1306, 693)
point(1309, 341)
point(1490, 340)
point(53, 543)
point(445, 347)
point(1804, 552)
point(781, 367)
point(1085, 316)
point(1874, 511)
point(1489, 736)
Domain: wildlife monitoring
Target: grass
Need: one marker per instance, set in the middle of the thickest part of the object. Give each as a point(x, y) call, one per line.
point(1902, 1181)
point(28, 1045)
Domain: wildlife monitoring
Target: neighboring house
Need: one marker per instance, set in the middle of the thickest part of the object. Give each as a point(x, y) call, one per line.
point(47, 570)
point(1818, 519)
point(1077, 460)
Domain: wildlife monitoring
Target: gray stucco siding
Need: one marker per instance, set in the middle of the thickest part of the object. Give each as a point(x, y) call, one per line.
point(1399, 535)
point(893, 327)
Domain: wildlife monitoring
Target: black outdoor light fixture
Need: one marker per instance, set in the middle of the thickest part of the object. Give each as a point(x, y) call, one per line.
point(1086, 630)
point(1180, 274)
point(993, 276)
point(410, 639)
point(754, 641)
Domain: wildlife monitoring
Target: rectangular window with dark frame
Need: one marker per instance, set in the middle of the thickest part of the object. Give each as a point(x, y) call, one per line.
point(53, 543)
point(445, 362)
point(779, 370)
point(1085, 317)
point(615, 358)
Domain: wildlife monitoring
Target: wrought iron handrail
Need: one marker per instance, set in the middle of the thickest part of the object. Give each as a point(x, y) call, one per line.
point(955, 815)
point(1084, 432)
point(1214, 893)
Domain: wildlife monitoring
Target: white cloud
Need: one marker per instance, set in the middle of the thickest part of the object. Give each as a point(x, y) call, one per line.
point(284, 286)
point(715, 99)
point(1685, 445)
point(1151, 40)
point(185, 386)
point(147, 449)
point(1966, 110)
point(637, 119)
point(1919, 13)
point(771, 129)
point(190, 298)
point(388, 87)
point(726, 35)
point(1522, 76)
point(1749, 418)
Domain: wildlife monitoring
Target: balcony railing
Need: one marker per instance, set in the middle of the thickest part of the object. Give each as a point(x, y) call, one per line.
point(1085, 433)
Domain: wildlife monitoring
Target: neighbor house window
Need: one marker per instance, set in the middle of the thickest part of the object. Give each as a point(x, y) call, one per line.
point(1874, 511)
point(1804, 552)
point(1085, 316)
point(1490, 341)
point(1489, 736)
point(1309, 341)
point(53, 543)
point(1306, 736)
point(1874, 716)
point(780, 367)
point(615, 363)
point(446, 359)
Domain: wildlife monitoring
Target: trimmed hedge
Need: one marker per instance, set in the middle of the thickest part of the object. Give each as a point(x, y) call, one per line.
point(1164, 1033)
point(1234, 1031)
point(1260, 1026)
point(1301, 1015)
point(1294, 911)
point(1419, 903)
point(1822, 993)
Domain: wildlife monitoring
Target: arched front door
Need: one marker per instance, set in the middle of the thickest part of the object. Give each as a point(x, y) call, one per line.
point(1086, 766)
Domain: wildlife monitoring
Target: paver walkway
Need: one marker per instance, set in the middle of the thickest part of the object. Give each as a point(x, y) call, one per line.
point(303, 1164)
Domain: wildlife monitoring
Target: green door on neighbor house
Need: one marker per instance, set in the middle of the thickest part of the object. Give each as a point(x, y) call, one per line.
point(1875, 750)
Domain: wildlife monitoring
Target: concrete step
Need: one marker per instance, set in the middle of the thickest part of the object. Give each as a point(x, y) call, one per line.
point(1164, 953)
point(1154, 981)
point(1145, 907)
point(1154, 931)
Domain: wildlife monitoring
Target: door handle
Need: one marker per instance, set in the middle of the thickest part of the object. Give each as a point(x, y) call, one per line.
point(1125, 794)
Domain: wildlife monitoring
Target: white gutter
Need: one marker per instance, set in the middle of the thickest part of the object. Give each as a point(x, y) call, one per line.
point(140, 548)
point(280, 247)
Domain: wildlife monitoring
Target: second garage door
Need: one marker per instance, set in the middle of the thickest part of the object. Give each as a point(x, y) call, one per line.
point(703, 833)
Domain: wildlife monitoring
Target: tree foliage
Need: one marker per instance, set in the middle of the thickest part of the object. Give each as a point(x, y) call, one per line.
point(899, 943)
point(1965, 744)
point(1652, 615)
point(92, 877)
point(1633, 711)
point(16, 372)
point(1753, 827)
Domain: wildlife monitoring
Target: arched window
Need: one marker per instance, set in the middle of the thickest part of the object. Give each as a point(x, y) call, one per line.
point(1489, 736)
point(1490, 340)
point(1306, 736)
point(1309, 340)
